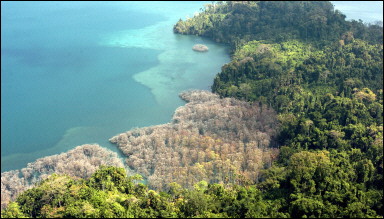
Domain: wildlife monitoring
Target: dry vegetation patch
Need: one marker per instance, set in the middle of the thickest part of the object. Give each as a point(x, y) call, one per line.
point(212, 139)
point(81, 162)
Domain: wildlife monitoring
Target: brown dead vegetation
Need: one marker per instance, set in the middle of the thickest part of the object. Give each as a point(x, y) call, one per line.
point(212, 139)
point(217, 140)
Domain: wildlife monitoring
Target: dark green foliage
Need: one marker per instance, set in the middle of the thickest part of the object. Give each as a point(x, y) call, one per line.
point(327, 184)
point(276, 21)
point(108, 178)
point(30, 203)
point(313, 184)
point(61, 196)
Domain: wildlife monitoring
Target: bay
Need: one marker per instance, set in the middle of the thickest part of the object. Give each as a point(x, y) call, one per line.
point(81, 72)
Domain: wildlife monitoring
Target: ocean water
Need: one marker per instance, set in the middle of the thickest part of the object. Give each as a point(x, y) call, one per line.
point(81, 72)
point(367, 11)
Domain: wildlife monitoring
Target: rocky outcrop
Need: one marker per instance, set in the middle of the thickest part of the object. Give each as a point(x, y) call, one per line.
point(200, 48)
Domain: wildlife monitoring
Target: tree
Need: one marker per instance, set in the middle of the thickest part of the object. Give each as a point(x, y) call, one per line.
point(109, 178)
point(13, 211)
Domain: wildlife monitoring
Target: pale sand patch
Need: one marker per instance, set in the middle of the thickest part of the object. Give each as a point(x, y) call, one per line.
point(147, 37)
point(158, 79)
point(170, 76)
point(178, 65)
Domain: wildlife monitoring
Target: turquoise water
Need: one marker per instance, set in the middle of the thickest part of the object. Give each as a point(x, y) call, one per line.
point(81, 72)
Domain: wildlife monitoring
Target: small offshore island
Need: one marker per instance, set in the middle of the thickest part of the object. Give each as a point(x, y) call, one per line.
point(293, 129)
point(200, 48)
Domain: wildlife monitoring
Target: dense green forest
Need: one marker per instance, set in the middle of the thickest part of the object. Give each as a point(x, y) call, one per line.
point(324, 77)
point(237, 22)
point(321, 75)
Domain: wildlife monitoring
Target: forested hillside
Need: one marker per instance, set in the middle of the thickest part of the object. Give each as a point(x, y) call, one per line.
point(109, 193)
point(237, 22)
point(324, 77)
point(294, 129)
